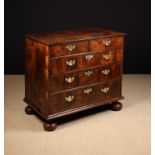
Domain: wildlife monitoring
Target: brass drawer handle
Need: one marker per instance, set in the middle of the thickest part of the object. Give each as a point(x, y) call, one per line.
point(69, 79)
point(88, 91)
point(106, 71)
point(106, 56)
point(70, 62)
point(88, 73)
point(70, 47)
point(69, 98)
point(107, 42)
point(105, 90)
point(90, 56)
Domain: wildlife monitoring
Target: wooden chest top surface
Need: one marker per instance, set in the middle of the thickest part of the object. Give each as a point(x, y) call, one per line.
point(60, 37)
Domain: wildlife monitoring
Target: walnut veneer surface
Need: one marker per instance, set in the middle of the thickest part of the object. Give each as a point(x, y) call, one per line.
point(71, 71)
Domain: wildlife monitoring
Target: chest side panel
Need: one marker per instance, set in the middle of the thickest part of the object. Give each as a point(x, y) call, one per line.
point(36, 75)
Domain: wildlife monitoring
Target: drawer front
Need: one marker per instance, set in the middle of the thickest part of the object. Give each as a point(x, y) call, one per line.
point(71, 48)
point(66, 64)
point(109, 89)
point(106, 43)
point(83, 61)
point(63, 101)
point(100, 92)
point(88, 76)
point(107, 57)
point(85, 96)
point(65, 81)
point(88, 95)
point(71, 80)
point(109, 72)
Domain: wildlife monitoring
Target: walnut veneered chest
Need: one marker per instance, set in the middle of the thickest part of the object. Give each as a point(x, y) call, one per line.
point(71, 71)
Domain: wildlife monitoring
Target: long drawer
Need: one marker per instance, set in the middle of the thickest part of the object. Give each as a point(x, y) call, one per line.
point(83, 61)
point(89, 76)
point(84, 96)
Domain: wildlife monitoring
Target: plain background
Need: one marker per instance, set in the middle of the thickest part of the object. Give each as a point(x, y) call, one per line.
point(37, 16)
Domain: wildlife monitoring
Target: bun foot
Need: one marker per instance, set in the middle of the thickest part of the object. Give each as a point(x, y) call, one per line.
point(50, 126)
point(116, 106)
point(29, 110)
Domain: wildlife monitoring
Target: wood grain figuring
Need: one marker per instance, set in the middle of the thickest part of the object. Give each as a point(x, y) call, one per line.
point(70, 71)
point(58, 82)
point(36, 78)
point(61, 37)
point(115, 42)
point(59, 104)
point(59, 64)
point(60, 50)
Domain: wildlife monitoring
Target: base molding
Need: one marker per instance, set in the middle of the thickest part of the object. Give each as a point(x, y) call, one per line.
point(50, 123)
point(72, 111)
point(86, 107)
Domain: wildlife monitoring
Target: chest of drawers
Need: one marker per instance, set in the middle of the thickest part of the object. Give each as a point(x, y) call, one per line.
point(71, 71)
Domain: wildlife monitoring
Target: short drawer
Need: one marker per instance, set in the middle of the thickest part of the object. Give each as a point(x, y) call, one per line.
point(84, 61)
point(81, 78)
point(106, 43)
point(84, 96)
point(71, 48)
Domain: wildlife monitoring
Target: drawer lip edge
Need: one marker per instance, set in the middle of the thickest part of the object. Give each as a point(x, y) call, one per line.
point(82, 108)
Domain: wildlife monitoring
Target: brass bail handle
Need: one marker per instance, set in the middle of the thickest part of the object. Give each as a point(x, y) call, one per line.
point(106, 71)
point(88, 91)
point(89, 57)
point(69, 98)
point(88, 73)
point(106, 42)
point(70, 79)
point(105, 90)
point(106, 56)
point(70, 62)
point(70, 47)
